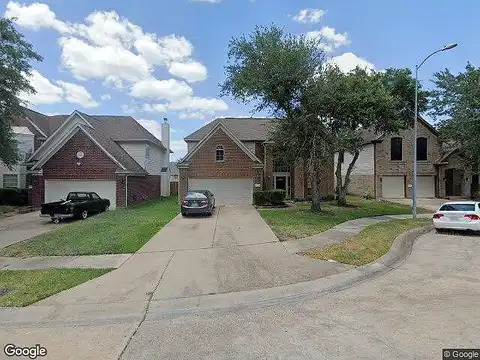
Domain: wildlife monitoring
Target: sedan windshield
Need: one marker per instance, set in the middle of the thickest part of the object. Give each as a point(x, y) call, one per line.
point(458, 207)
point(195, 195)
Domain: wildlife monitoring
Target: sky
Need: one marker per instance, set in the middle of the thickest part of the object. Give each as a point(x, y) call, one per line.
point(155, 59)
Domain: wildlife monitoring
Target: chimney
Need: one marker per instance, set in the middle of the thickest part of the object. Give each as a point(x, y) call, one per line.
point(166, 135)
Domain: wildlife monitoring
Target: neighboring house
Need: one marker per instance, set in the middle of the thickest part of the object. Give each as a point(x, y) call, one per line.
point(113, 156)
point(16, 176)
point(384, 168)
point(232, 158)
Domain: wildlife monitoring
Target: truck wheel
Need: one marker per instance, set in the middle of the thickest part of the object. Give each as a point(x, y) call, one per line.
point(105, 209)
point(56, 221)
point(84, 214)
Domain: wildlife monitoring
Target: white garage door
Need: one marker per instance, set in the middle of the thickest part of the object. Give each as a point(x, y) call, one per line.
point(226, 191)
point(426, 186)
point(393, 187)
point(59, 189)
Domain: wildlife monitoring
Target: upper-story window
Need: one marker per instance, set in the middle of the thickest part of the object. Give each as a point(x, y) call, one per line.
point(280, 166)
point(396, 148)
point(220, 153)
point(421, 148)
point(147, 151)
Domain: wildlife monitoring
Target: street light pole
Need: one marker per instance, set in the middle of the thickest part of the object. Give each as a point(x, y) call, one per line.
point(414, 180)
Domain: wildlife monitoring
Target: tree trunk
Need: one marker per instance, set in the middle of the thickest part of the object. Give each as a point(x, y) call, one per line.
point(338, 174)
point(343, 188)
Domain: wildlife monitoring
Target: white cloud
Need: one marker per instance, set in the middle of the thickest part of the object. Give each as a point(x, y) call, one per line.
point(349, 61)
point(191, 71)
point(205, 105)
point(179, 147)
point(192, 115)
point(161, 89)
point(162, 51)
point(112, 63)
point(127, 109)
point(77, 94)
point(154, 108)
point(35, 16)
point(105, 97)
point(152, 126)
point(329, 38)
point(47, 93)
point(309, 16)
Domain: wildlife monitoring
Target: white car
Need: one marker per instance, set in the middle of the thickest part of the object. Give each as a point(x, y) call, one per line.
point(458, 215)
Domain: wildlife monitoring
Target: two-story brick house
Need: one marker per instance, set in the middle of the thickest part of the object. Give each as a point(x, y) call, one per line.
point(384, 168)
point(113, 156)
point(232, 157)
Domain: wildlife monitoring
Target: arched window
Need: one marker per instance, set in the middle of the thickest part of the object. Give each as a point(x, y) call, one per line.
point(421, 148)
point(396, 148)
point(220, 154)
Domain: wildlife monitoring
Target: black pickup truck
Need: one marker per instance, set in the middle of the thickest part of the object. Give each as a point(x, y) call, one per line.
point(78, 204)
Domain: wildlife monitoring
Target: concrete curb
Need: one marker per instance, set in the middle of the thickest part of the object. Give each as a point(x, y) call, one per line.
point(399, 252)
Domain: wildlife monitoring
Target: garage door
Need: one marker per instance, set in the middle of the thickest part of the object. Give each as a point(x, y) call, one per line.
point(227, 191)
point(426, 186)
point(58, 189)
point(393, 187)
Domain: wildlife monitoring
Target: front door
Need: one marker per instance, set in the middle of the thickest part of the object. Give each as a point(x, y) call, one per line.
point(453, 182)
point(282, 182)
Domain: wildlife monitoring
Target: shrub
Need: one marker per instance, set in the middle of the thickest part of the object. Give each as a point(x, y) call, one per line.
point(367, 196)
point(276, 197)
point(259, 198)
point(13, 197)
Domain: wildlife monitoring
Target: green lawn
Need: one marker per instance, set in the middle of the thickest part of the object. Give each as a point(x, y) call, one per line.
point(115, 232)
point(372, 243)
point(28, 286)
point(300, 222)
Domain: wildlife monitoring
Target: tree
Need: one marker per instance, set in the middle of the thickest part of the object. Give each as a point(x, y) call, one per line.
point(455, 103)
point(276, 71)
point(15, 69)
point(380, 102)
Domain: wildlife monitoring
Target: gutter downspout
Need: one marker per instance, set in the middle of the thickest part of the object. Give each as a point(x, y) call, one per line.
point(126, 190)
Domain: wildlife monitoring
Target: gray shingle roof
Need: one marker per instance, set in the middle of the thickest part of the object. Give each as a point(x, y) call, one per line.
point(245, 129)
point(108, 129)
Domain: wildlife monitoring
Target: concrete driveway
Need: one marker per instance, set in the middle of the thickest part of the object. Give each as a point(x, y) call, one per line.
point(233, 250)
point(23, 226)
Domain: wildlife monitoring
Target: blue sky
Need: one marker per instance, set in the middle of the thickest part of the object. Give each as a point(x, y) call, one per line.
point(154, 59)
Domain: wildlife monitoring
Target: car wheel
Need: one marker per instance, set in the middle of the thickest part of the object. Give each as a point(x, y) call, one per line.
point(84, 214)
point(184, 214)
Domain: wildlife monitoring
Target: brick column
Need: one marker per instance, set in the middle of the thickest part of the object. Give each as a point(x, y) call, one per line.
point(182, 182)
point(268, 168)
point(36, 194)
point(257, 178)
point(120, 190)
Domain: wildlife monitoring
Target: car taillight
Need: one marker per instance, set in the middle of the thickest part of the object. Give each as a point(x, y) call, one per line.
point(437, 216)
point(472, 217)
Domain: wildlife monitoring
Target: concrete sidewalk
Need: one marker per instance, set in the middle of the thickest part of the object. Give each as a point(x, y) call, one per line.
point(111, 261)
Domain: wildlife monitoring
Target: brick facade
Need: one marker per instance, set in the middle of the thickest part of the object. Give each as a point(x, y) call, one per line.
point(140, 189)
point(361, 185)
point(384, 166)
point(36, 194)
point(95, 165)
point(455, 161)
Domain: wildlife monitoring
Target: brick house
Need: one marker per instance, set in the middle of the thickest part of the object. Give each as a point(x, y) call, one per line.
point(384, 168)
point(113, 156)
point(232, 158)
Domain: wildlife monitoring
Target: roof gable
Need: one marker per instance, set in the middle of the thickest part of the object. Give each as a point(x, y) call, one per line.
point(213, 130)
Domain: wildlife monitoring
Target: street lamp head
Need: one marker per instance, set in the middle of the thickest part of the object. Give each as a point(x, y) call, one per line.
point(449, 46)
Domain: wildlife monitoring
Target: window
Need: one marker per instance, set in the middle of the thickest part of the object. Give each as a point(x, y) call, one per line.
point(421, 148)
point(83, 196)
point(95, 196)
point(10, 180)
point(396, 149)
point(147, 151)
point(458, 207)
point(280, 165)
point(220, 154)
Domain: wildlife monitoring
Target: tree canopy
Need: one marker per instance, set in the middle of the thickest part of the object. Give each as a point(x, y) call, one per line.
point(15, 69)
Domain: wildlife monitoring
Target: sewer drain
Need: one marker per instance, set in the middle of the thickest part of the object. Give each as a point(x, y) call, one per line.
point(4, 291)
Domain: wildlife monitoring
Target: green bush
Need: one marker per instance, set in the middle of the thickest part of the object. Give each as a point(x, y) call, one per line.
point(276, 197)
point(259, 198)
point(13, 197)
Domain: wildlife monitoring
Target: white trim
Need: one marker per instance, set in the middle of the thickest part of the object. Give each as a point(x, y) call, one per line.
point(65, 139)
point(229, 134)
point(49, 139)
point(36, 127)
